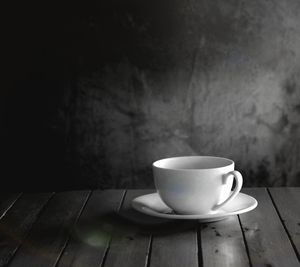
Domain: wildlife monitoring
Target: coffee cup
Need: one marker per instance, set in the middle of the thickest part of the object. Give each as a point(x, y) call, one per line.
point(196, 184)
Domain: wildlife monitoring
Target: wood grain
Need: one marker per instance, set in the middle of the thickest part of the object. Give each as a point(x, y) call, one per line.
point(287, 201)
point(223, 244)
point(93, 230)
point(99, 229)
point(6, 202)
point(174, 243)
point(131, 240)
point(50, 233)
point(266, 238)
point(17, 222)
point(175, 249)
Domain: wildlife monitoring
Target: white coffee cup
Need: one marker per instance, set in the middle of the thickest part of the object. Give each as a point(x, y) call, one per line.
point(196, 184)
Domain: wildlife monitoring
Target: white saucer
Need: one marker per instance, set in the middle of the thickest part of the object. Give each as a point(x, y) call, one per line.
point(151, 204)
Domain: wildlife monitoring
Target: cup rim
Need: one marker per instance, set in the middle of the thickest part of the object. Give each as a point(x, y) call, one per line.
point(156, 163)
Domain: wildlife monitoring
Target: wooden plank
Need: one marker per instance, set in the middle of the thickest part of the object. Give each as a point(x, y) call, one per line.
point(45, 242)
point(92, 232)
point(153, 241)
point(175, 248)
point(267, 241)
point(7, 200)
point(223, 244)
point(287, 201)
point(17, 222)
point(130, 242)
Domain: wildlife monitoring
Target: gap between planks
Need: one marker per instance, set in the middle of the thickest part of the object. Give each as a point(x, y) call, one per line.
point(10, 205)
point(148, 256)
point(199, 246)
point(245, 241)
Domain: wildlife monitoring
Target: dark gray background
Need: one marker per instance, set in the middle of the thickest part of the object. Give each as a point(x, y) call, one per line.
point(97, 92)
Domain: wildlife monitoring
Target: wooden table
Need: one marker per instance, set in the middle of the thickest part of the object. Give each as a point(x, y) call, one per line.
point(99, 228)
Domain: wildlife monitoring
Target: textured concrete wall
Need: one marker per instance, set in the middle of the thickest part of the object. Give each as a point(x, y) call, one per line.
point(153, 79)
point(189, 78)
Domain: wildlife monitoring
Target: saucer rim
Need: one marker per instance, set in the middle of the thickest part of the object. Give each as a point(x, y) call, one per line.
point(150, 212)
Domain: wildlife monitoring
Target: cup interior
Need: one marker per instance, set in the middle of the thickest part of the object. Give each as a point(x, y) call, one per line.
point(192, 163)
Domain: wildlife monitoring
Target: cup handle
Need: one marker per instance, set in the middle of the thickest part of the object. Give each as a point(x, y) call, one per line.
point(239, 182)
